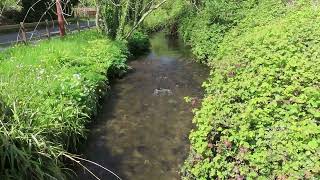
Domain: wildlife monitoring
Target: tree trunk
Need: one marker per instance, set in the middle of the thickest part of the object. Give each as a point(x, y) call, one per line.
point(60, 18)
point(138, 8)
point(123, 20)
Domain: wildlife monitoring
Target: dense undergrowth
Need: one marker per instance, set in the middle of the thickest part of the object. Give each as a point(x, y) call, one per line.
point(138, 44)
point(48, 92)
point(166, 18)
point(205, 29)
point(260, 117)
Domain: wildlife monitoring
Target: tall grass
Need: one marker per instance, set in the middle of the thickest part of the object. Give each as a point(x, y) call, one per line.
point(47, 94)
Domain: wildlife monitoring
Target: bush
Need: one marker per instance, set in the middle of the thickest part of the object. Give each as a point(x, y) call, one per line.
point(138, 43)
point(205, 31)
point(166, 17)
point(48, 92)
point(260, 117)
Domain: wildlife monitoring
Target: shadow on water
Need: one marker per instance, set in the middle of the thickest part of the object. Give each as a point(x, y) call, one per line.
point(142, 133)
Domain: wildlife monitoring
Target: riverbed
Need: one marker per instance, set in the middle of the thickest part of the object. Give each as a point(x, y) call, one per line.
point(142, 131)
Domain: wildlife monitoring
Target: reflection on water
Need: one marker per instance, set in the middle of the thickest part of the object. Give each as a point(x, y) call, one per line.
point(141, 136)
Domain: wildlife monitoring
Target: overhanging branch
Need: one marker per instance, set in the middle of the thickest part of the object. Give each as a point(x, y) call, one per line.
point(146, 14)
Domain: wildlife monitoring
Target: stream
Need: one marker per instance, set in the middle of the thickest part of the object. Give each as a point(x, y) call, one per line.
point(142, 130)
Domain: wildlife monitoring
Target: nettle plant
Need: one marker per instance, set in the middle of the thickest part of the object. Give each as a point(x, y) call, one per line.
point(260, 118)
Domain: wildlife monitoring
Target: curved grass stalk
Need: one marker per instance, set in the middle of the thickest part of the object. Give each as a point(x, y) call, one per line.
point(91, 162)
point(83, 166)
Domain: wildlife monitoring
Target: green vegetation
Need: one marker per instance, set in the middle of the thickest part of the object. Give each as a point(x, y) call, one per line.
point(205, 30)
point(138, 43)
point(260, 117)
point(48, 92)
point(120, 18)
point(166, 17)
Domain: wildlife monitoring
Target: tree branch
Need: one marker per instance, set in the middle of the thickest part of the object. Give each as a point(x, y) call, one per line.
point(152, 8)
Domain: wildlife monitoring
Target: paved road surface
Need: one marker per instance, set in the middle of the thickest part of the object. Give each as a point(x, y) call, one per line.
point(6, 39)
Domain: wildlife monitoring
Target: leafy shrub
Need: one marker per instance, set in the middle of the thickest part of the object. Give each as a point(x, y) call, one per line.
point(205, 30)
point(260, 118)
point(48, 92)
point(167, 16)
point(138, 43)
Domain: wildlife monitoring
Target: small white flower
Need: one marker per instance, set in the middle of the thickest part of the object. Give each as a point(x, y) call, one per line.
point(77, 76)
point(41, 71)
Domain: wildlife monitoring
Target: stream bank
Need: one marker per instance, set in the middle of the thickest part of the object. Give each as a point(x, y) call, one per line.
point(142, 129)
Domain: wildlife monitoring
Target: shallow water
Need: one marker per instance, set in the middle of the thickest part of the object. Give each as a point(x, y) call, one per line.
point(141, 134)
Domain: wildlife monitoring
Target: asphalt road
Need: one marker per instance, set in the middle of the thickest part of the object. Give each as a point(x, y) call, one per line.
point(6, 39)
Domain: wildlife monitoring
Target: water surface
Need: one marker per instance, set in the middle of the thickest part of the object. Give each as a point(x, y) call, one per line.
point(141, 135)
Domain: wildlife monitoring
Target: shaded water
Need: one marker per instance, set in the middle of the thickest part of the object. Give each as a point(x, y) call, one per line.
point(142, 135)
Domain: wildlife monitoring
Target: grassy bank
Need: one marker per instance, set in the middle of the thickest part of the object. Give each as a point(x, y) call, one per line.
point(260, 117)
point(48, 93)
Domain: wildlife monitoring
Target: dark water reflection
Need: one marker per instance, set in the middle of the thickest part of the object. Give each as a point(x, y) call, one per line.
point(141, 136)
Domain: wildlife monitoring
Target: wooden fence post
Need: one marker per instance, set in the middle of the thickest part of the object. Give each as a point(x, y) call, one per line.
point(88, 22)
point(23, 33)
point(39, 33)
point(78, 24)
point(47, 29)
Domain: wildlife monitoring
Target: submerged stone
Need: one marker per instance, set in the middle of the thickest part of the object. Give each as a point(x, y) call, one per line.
point(162, 92)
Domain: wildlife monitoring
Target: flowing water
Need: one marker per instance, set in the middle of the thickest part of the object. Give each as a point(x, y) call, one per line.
point(142, 130)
